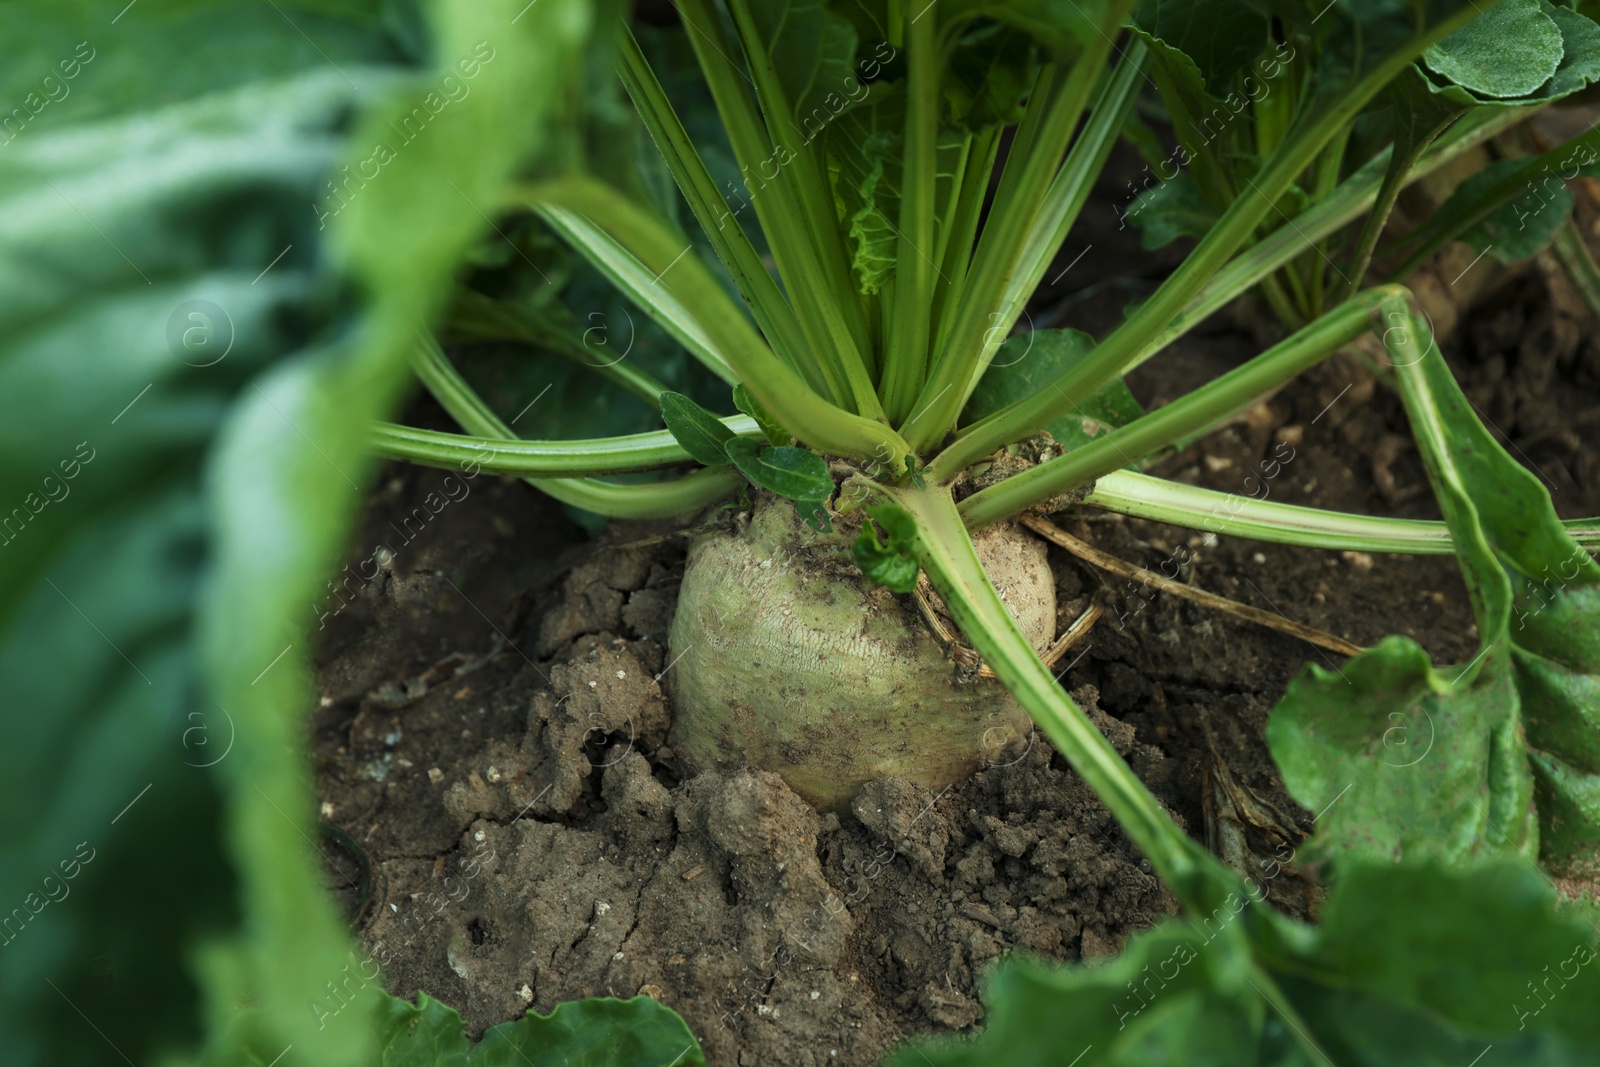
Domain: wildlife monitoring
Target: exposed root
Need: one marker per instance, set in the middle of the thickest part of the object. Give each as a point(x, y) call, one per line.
point(1084, 551)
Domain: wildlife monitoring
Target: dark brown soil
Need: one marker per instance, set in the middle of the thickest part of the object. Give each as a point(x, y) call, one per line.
point(493, 731)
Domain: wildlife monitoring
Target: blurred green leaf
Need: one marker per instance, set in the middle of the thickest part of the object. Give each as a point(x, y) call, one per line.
point(1219, 38)
point(133, 228)
point(1411, 964)
point(1173, 209)
point(1061, 25)
point(813, 50)
point(200, 326)
point(599, 1032)
point(990, 70)
point(1523, 224)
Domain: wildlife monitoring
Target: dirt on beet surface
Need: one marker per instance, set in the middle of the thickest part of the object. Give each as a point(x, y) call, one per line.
point(492, 736)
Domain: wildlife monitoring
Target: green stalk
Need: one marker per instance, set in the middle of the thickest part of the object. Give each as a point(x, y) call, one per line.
point(657, 500)
point(952, 205)
point(524, 458)
point(1037, 112)
point(945, 551)
point(961, 226)
point(1356, 194)
point(831, 342)
point(1421, 115)
point(1286, 310)
point(1193, 413)
point(684, 320)
point(806, 175)
point(1068, 193)
point(772, 312)
point(1195, 877)
point(1236, 226)
point(682, 281)
point(1000, 251)
point(651, 500)
point(906, 350)
point(1160, 500)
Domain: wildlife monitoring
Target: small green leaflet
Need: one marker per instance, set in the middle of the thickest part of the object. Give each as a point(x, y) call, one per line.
point(1028, 359)
point(598, 1032)
point(774, 433)
point(790, 472)
point(1503, 753)
point(701, 433)
point(889, 563)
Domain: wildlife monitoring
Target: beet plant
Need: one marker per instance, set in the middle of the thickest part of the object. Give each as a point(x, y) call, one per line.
point(863, 597)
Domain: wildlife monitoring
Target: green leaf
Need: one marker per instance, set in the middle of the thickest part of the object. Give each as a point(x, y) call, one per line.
point(1400, 761)
point(1523, 224)
point(990, 70)
point(891, 563)
point(598, 1032)
point(1412, 964)
point(1063, 26)
point(1578, 54)
point(1173, 209)
point(195, 344)
point(1026, 360)
point(872, 235)
point(784, 469)
point(134, 221)
point(1447, 763)
point(701, 433)
point(1219, 38)
point(814, 51)
point(790, 472)
point(774, 433)
point(863, 146)
point(1510, 50)
point(1580, 48)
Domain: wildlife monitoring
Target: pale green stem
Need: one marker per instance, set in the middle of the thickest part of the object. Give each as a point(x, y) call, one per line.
point(1236, 226)
point(946, 552)
point(542, 459)
point(717, 220)
point(642, 252)
point(1192, 413)
point(1236, 515)
point(655, 500)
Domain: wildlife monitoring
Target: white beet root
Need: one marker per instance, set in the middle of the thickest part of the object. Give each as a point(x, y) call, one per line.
point(787, 658)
